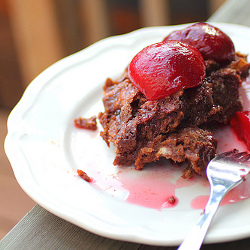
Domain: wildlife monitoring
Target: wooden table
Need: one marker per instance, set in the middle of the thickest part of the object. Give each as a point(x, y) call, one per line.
point(40, 229)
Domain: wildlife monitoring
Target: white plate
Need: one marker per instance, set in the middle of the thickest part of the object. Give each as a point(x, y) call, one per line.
point(45, 149)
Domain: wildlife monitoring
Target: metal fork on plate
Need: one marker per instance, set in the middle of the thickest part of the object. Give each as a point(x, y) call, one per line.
point(224, 172)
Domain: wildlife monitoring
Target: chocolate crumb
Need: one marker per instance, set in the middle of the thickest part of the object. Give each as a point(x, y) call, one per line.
point(171, 200)
point(86, 123)
point(83, 175)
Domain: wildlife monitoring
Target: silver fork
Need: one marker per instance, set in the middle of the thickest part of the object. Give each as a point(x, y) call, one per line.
point(224, 172)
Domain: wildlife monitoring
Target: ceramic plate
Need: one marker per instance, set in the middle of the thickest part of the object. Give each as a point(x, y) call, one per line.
point(45, 150)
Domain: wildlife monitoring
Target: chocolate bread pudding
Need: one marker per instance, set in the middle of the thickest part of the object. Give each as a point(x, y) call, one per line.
point(175, 126)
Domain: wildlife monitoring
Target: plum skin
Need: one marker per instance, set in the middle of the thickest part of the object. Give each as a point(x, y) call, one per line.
point(162, 69)
point(209, 40)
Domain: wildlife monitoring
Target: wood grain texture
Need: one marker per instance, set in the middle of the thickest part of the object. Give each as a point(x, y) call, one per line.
point(36, 36)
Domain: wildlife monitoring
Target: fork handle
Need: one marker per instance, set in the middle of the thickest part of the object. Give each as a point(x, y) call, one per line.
point(196, 236)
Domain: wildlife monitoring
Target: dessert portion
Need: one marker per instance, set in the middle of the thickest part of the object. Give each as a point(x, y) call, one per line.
point(165, 101)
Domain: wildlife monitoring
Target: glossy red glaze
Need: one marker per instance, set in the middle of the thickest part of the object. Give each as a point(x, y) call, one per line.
point(209, 40)
point(241, 124)
point(161, 69)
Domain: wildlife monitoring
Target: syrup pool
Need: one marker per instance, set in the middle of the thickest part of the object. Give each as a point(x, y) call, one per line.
point(159, 185)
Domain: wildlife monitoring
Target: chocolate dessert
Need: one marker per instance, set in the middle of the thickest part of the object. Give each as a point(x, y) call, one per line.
point(175, 126)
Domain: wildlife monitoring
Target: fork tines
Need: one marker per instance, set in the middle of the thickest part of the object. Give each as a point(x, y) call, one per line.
point(240, 156)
